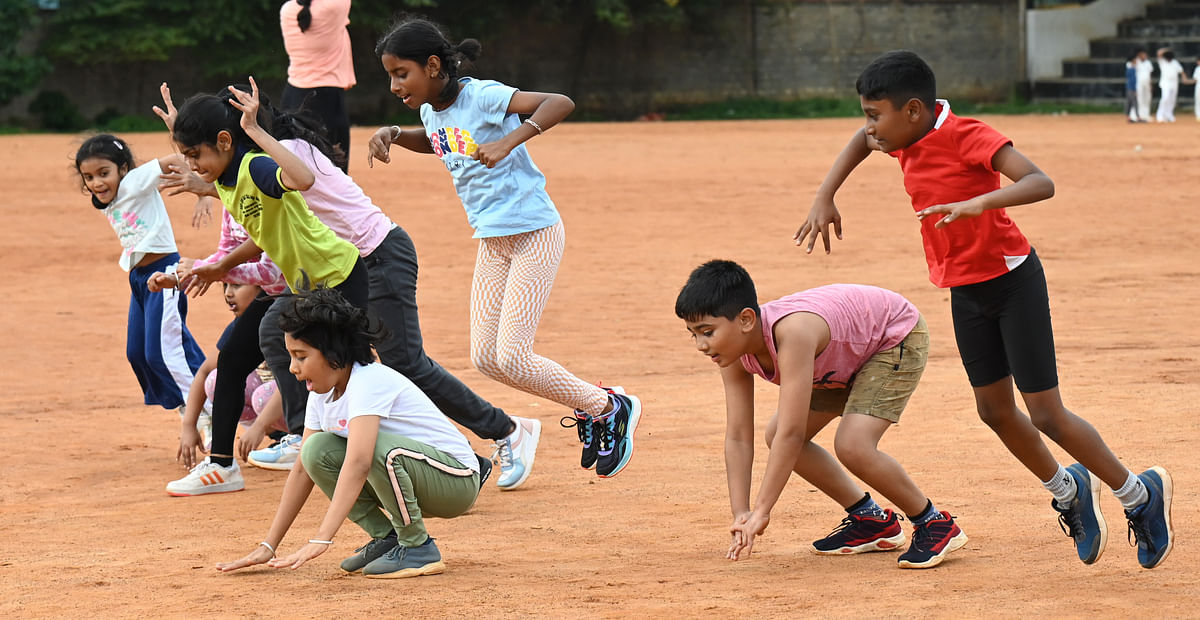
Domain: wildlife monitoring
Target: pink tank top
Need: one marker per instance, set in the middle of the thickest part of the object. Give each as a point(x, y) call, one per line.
point(863, 320)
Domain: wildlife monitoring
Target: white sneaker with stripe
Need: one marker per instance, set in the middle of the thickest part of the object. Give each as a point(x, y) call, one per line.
point(208, 477)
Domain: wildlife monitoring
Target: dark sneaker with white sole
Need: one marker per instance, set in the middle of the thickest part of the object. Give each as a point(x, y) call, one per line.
point(369, 553)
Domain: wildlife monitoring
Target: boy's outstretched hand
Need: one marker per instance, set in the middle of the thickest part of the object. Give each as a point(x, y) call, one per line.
point(745, 527)
point(822, 214)
point(953, 211)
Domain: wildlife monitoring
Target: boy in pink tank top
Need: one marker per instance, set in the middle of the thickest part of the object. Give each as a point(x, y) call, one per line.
point(843, 349)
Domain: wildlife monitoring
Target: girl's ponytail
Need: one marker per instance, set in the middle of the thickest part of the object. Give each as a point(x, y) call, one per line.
point(304, 18)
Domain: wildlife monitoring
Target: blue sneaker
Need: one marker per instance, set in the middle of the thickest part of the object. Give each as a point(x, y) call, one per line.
point(1081, 519)
point(614, 433)
point(400, 562)
point(516, 462)
point(280, 457)
point(1150, 523)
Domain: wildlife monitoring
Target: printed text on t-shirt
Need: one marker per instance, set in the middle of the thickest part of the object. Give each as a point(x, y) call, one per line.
point(452, 140)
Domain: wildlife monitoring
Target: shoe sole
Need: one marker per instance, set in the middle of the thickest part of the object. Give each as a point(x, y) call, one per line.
point(435, 568)
point(1094, 484)
point(537, 436)
point(635, 416)
point(1168, 489)
point(880, 544)
point(955, 544)
point(205, 492)
point(271, 466)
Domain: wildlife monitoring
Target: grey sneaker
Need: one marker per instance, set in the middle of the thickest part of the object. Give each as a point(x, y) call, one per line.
point(369, 553)
point(400, 562)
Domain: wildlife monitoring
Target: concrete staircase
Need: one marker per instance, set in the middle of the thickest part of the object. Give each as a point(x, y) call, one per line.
point(1100, 78)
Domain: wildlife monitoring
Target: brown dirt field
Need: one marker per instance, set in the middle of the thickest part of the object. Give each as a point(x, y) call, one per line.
point(86, 528)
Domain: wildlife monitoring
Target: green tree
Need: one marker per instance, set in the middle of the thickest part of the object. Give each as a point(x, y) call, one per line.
point(18, 72)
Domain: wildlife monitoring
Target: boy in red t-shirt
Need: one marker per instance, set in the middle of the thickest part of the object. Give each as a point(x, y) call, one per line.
point(998, 296)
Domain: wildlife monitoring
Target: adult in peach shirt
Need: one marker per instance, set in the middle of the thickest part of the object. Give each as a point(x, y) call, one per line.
point(320, 66)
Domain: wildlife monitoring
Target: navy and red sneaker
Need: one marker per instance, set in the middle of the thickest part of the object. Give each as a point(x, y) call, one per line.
point(860, 534)
point(931, 542)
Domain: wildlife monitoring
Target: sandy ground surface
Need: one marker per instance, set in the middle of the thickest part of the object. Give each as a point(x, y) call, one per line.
point(86, 528)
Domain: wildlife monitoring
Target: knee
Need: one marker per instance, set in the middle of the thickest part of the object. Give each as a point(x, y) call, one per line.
point(770, 436)
point(1048, 421)
point(853, 452)
point(995, 416)
point(512, 362)
point(485, 362)
point(314, 447)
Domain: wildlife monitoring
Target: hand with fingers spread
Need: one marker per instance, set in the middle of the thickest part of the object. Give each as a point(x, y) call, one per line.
point(168, 114)
point(953, 211)
point(261, 555)
point(380, 146)
point(297, 559)
point(180, 179)
point(822, 214)
point(248, 104)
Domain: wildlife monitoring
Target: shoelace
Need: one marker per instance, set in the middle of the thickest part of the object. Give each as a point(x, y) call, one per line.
point(583, 427)
point(843, 526)
point(1071, 522)
point(606, 433)
point(1139, 533)
point(504, 454)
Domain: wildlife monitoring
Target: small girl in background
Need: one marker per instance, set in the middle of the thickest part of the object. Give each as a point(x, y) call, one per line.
point(473, 127)
point(373, 442)
point(161, 350)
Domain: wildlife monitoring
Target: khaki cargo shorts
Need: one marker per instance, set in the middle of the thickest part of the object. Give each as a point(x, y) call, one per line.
point(882, 387)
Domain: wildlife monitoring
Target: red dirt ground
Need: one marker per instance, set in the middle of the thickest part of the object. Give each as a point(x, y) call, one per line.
point(86, 528)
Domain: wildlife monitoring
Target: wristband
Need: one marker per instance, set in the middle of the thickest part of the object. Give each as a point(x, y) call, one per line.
point(536, 126)
point(396, 131)
point(268, 546)
point(320, 542)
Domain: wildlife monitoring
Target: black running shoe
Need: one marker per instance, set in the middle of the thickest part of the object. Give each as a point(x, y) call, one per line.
point(863, 533)
point(932, 541)
point(614, 433)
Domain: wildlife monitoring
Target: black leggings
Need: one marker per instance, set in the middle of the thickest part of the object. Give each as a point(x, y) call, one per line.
point(1002, 327)
point(328, 103)
point(238, 358)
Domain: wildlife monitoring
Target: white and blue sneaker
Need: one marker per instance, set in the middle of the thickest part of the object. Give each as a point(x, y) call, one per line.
point(280, 456)
point(515, 454)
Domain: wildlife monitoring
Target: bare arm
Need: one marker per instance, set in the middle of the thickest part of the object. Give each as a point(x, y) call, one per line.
point(360, 451)
point(824, 212)
point(1030, 185)
point(294, 173)
point(295, 494)
point(545, 110)
point(739, 435)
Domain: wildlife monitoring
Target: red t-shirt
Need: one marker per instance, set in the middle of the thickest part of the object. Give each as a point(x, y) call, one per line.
point(953, 162)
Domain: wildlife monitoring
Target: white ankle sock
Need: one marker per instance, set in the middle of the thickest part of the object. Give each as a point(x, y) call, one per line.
point(1062, 485)
point(1133, 493)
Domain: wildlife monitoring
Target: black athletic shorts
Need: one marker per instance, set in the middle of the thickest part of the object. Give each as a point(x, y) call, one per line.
point(1002, 327)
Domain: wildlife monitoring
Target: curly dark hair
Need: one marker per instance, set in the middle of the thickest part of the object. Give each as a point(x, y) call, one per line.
point(323, 319)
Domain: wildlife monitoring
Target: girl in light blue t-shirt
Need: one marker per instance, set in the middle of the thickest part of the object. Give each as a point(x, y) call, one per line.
point(474, 128)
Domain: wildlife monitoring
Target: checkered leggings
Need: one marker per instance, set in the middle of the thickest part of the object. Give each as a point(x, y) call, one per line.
point(513, 278)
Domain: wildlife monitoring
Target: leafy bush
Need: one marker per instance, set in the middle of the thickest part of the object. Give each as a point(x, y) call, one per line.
point(56, 112)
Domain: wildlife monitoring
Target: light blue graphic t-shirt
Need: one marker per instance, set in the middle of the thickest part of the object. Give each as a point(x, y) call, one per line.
point(505, 200)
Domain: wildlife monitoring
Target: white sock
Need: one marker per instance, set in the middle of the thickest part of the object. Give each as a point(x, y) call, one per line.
point(1133, 493)
point(1063, 486)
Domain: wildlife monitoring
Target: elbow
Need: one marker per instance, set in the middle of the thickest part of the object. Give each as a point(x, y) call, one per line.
point(304, 183)
point(567, 103)
point(1048, 191)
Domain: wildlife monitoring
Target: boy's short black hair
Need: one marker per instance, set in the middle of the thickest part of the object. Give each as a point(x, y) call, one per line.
point(898, 77)
point(719, 288)
point(327, 322)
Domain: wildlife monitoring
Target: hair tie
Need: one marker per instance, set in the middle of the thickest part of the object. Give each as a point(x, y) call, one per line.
point(118, 145)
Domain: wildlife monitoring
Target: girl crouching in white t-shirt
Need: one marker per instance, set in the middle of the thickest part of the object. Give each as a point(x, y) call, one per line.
point(372, 442)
